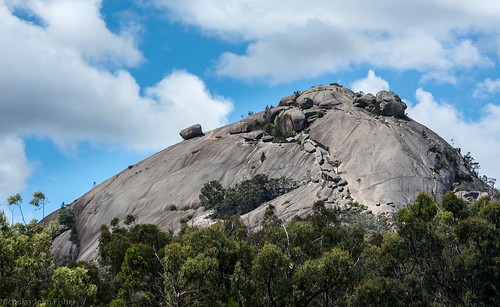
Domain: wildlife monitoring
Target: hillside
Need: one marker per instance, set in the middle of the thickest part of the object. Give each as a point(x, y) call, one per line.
point(341, 147)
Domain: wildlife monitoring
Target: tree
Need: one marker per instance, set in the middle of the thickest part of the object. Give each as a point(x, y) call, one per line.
point(471, 164)
point(38, 201)
point(16, 200)
point(25, 259)
point(129, 219)
point(212, 194)
point(326, 277)
point(66, 217)
point(270, 218)
point(450, 202)
point(71, 286)
point(379, 291)
point(322, 216)
point(134, 278)
point(269, 270)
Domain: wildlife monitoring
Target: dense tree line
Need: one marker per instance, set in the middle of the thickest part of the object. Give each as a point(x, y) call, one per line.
point(439, 253)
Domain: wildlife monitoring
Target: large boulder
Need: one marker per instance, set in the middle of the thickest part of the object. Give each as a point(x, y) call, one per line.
point(254, 135)
point(292, 120)
point(240, 127)
point(191, 132)
point(306, 103)
point(364, 101)
point(287, 100)
point(327, 96)
point(390, 104)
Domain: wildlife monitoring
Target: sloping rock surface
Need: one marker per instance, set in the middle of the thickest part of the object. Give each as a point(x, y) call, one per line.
point(342, 153)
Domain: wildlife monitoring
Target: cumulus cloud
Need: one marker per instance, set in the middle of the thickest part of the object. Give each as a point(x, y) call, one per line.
point(480, 137)
point(14, 166)
point(71, 100)
point(77, 25)
point(486, 88)
point(371, 84)
point(63, 77)
point(297, 40)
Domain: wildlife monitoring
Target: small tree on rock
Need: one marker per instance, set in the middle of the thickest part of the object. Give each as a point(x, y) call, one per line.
point(16, 200)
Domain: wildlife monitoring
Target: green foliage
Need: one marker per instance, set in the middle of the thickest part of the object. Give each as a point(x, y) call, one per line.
point(131, 257)
point(66, 217)
point(212, 194)
point(270, 273)
point(72, 286)
point(326, 276)
point(134, 278)
point(321, 216)
point(38, 201)
point(198, 266)
point(186, 219)
point(16, 200)
point(457, 206)
point(443, 253)
point(114, 244)
point(274, 129)
point(491, 212)
point(424, 208)
point(270, 218)
point(245, 196)
point(262, 157)
point(25, 259)
point(129, 219)
point(471, 164)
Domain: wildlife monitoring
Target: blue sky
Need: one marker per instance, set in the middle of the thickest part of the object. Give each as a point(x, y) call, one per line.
point(88, 87)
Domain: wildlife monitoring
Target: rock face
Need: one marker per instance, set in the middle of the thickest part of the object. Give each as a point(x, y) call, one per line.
point(364, 101)
point(339, 151)
point(191, 132)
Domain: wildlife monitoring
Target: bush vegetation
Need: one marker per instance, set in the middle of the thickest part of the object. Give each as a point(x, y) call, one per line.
point(245, 196)
point(439, 254)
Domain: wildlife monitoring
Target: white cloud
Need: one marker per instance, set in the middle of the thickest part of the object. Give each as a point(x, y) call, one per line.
point(486, 88)
point(64, 81)
point(371, 84)
point(77, 25)
point(48, 88)
point(14, 166)
point(288, 40)
point(480, 137)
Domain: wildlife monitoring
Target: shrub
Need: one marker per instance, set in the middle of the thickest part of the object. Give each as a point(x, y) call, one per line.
point(129, 219)
point(66, 217)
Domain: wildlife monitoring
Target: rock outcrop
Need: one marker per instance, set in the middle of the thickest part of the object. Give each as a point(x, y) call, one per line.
point(390, 104)
point(341, 149)
point(240, 127)
point(191, 132)
point(385, 103)
point(291, 121)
